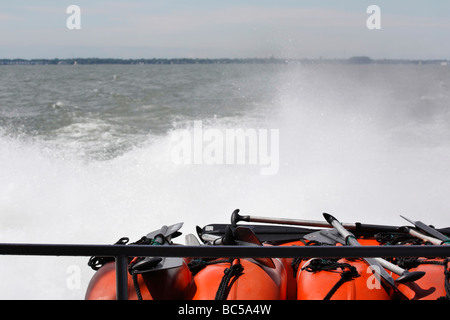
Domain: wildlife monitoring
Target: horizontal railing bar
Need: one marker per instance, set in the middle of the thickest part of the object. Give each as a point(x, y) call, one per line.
point(223, 251)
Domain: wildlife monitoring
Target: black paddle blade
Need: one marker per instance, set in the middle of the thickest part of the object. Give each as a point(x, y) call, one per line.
point(146, 264)
point(163, 236)
point(152, 264)
point(245, 236)
point(325, 236)
point(428, 229)
point(166, 232)
point(410, 276)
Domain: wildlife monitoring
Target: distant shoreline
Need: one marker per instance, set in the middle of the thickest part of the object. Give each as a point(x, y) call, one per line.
point(162, 61)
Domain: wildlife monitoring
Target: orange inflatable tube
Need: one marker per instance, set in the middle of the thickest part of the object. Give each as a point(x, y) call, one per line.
point(323, 279)
point(336, 279)
point(155, 285)
point(239, 279)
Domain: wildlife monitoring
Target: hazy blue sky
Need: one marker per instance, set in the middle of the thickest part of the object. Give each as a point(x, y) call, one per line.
point(227, 28)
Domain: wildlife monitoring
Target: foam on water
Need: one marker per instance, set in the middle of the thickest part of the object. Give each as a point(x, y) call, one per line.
point(358, 147)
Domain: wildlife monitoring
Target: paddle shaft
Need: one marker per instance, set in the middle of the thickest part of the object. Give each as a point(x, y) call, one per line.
point(357, 227)
point(422, 236)
point(160, 237)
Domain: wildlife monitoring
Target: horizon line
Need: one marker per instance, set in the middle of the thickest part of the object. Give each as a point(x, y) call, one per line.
point(230, 58)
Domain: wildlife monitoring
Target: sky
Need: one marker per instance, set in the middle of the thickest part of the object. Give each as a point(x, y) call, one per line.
point(134, 29)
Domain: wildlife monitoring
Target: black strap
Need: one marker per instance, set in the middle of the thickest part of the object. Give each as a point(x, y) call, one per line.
point(349, 272)
point(136, 285)
point(195, 266)
point(235, 270)
point(346, 275)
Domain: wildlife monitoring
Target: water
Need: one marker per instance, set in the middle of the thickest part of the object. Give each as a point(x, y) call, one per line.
point(85, 153)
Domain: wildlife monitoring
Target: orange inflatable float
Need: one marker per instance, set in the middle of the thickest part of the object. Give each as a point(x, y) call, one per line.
point(339, 279)
point(239, 279)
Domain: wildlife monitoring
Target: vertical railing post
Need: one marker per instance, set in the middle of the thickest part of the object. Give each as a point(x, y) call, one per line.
point(121, 277)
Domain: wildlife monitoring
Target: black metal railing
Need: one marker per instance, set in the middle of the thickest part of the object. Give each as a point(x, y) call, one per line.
point(122, 252)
